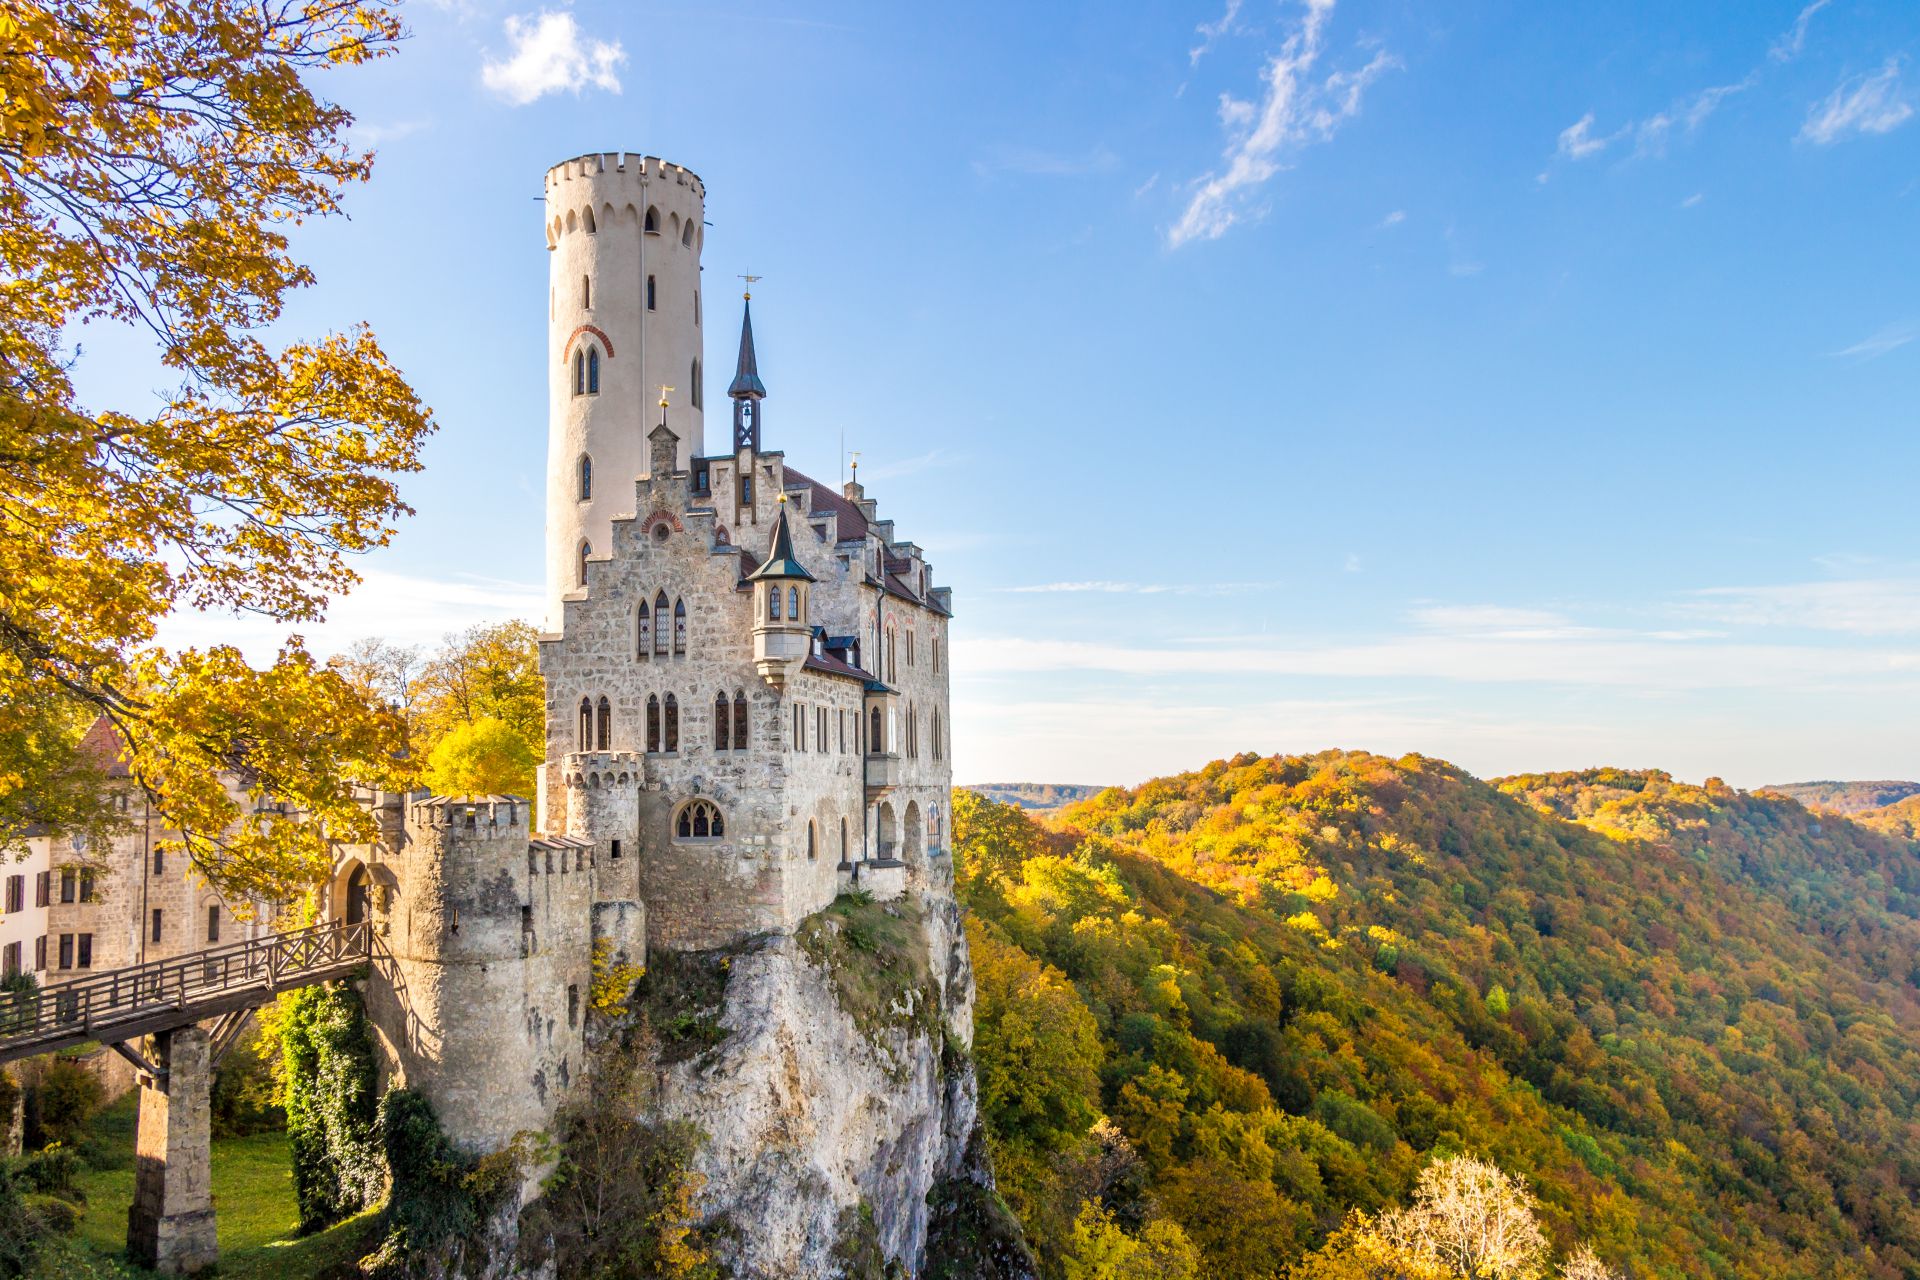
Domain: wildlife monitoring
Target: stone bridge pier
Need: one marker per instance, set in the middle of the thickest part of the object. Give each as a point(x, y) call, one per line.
point(170, 1226)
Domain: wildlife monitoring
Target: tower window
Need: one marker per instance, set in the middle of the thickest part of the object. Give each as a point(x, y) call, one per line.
point(875, 743)
point(812, 851)
point(604, 738)
point(579, 373)
point(614, 851)
point(696, 308)
point(586, 725)
point(679, 628)
point(699, 820)
point(586, 293)
point(695, 384)
point(586, 477)
point(652, 223)
point(793, 604)
point(660, 616)
point(213, 923)
point(739, 722)
point(686, 234)
point(673, 723)
point(722, 724)
point(650, 293)
point(773, 604)
point(593, 371)
point(653, 722)
point(643, 632)
point(586, 549)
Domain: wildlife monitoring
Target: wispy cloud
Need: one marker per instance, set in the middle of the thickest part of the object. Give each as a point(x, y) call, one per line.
point(1863, 104)
point(1688, 114)
point(1789, 45)
point(1298, 107)
point(1393, 219)
point(551, 54)
point(1577, 141)
point(1861, 607)
point(910, 466)
point(1892, 338)
point(1693, 200)
point(1138, 588)
point(1210, 32)
point(1037, 162)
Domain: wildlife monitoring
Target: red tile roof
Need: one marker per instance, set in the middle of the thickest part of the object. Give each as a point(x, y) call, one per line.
point(102, 745)
point(832, 666)
point(852, 523)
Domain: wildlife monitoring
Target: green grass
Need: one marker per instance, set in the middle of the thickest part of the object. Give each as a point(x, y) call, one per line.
point(252, 1199)
point(875, 955)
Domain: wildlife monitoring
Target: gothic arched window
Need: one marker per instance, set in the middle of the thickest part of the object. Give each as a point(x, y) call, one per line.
point(893, 639)
point(686, 234)
point(812, 850)
point(660, 628)
point(643, 632)
point(679, 628)
point(699, 820)
point(673, 723)
point(586, 549)
point(604, 737)
point(586, 725)
point(793, 604)
point(722, 724)
point(653, 722)
point(739, 722)
point(586, 476)
point(652, 223)
point(593, 371)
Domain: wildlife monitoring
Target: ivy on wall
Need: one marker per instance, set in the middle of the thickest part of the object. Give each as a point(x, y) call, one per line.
point(328, 1090)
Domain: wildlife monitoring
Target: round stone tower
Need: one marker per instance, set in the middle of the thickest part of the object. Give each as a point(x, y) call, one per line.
point(624, 234)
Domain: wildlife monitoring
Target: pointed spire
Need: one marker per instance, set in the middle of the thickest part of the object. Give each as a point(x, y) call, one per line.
point(746, 375)
point(780, 562)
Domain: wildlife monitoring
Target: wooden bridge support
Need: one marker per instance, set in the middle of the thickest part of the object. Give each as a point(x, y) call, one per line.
point(170, 1226)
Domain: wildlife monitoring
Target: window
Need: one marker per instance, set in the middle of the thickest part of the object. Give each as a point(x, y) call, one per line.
point(679, 628)
point(893, 641)
point(673, 723)
point(86, 887)
point(586, 725)
point(43, 891)
point(614, 851)
point(586, 293)
point(213, 923)
point(40, 952)
point(812, 850)
point(159, 862)
point(573, 1005)
point(696, 308)
point(686, 237)
point(651, 292)
point(586, 549)
point(10, 959)
point(820, 729)
point(156, 924)
point(722, 724)
point(593, 371)
point(936, 734)
point(840, 724)
point(936, 655)
point(651, 225)
point(653, 722)
point(843, 839)
point(579, 373)
point(699, 820)
point(773, 604)
point(643, 632)
point(67, 883)
point(909, 646)
point(793, 604)
point(739, 722)
point(695, 384)
point(874, 740)
point(85, 951)
point(16, 893)
point(660, 629)
point(66, 951)
point(799, 727)
point(604, 738)
point(586, 477)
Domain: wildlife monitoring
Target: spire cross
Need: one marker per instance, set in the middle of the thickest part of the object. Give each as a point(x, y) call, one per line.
point(751, 281)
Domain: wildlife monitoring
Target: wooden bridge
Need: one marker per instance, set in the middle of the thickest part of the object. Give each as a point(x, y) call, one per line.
point(119, 1007)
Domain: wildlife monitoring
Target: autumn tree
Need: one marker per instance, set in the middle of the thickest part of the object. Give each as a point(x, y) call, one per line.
point(154, 156)
point(1471, 1218)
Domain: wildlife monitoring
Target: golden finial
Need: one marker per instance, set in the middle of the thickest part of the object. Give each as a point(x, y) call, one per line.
point(856, 464)
point(664, 388)
point(747, 294)
point(781, 500)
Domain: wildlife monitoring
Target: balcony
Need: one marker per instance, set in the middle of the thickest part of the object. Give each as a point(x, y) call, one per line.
point(883, 772)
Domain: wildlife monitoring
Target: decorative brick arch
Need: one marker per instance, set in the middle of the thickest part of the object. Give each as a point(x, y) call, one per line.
point(659, 518)
point(574, 337)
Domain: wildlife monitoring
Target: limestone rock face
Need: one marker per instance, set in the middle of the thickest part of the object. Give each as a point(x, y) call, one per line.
point(808, 1114)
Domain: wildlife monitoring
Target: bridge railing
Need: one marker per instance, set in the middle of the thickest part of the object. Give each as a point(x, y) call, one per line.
point(182, 982)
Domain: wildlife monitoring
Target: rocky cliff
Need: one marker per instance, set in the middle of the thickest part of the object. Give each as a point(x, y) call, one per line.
point(834, 1084)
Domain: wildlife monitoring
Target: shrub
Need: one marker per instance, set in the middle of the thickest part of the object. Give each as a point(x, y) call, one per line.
point(69, 1094)
point(327, 1088)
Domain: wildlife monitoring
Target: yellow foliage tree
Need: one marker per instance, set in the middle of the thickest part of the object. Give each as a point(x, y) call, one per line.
point(153, 156)
point(1099, 1249)
point(483, 758)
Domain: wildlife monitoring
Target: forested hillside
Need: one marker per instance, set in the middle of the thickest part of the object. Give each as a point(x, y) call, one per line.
point(1237, 1005)
point(1847, 797)
point(1038, 797)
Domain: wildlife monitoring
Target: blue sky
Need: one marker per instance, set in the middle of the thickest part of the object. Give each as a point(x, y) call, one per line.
point(1532, 386)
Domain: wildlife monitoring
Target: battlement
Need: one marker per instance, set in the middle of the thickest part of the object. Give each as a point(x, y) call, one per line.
point(623, 166)
point(488, 817)
point(600, 768)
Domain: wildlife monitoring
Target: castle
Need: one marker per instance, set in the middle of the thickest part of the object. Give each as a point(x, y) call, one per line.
point(747, 706)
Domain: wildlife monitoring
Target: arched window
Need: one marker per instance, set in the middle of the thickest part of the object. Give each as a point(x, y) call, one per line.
point(586, 477)
point(773, 604)
point(722, 724)
point(875, 744)
point(579, 373)
point(909, 646)
point(586, 221)
point(739, 722)
point(813, 850)
point(793, 603)
point(653, 722)
point(893, 640)
point(652, 223)
point(593, 371)
point(936, 733)
point(586, 549)
point(586, 724)
point(660, 616)
point(699, 820)
point(679, 628)
point(604, 738)
point(695, 383)
point(643, 632)
point(686, 234)
point(651, 292)
point(673, 723)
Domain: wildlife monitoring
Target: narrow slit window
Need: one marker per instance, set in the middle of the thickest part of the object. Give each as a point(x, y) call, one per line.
point(673, 723)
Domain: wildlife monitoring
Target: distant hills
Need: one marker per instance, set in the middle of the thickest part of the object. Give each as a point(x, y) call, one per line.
point(1847, 797)
point(1688, 1015)
point(1035, 797)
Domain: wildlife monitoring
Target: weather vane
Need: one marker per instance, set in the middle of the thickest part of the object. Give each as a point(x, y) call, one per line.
point(664, 388)
point(751, 281)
